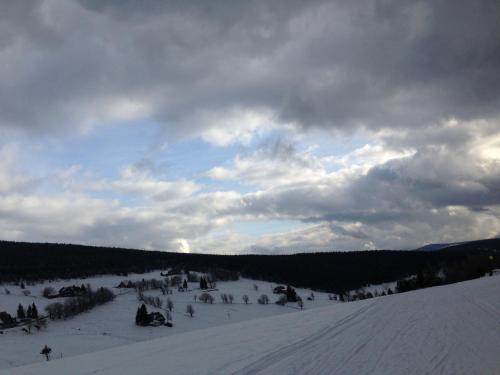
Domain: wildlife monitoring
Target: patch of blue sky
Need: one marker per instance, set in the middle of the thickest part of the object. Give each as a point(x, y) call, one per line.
point(209, 185)
point(111, 147)
point(105, 150)
point(193, 158)
point(102, 151)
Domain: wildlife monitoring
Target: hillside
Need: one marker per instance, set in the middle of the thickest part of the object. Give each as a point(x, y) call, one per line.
point(333, 272)
point(451, 329)
point(113, 324)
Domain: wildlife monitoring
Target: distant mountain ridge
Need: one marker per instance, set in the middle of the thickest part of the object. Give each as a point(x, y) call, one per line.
point(438, 246)
point(487, 244)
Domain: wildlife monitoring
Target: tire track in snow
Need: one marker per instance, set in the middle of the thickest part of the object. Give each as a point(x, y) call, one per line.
point(280, 354)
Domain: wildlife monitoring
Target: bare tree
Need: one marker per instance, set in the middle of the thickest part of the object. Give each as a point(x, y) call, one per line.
point(29, 326)
point(300, 303)
point(55, 310)
point(206, 298)
point(190, 310)
point(245, 298)
point(255, 287)
point(41, 323)
point(230, 298)
point(158, 302)
point(263, 299)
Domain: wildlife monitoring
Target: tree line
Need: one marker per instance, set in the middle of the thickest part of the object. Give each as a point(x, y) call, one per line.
point(76, 305)
point(333, 272)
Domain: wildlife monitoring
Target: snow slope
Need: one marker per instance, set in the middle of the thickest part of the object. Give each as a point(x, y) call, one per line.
point(113, 324)
point(453, 329)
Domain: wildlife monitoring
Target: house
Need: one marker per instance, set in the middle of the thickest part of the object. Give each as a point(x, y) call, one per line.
point(156, 319)
point(72, 291)
point(280, 289)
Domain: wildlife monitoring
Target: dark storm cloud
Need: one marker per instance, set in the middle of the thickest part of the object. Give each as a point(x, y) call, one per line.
point(334, 64)
point(443, 191)
point(399, 69)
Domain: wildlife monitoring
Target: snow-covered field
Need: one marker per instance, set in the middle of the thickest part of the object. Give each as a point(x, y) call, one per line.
point(113, 324)
point(453, 329)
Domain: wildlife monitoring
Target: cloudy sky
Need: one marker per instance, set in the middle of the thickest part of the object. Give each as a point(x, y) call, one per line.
point(250, 126)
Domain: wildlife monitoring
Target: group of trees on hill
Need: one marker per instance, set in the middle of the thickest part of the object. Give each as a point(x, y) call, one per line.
point(204, 284)
point(334, 272)
point(30, 313)
point(76, 305)
point(473, 266)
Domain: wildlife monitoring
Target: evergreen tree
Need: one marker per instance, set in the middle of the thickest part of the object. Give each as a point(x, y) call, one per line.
point(291, 295)
point(29, 312)
point(138, 316)
point(20, 312)
point(420, 278)
point(203, 283)
point(141, 317)
point(185, 284)
point(34, 311)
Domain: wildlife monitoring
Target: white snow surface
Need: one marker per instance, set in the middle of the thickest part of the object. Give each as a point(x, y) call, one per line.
point(452, 329)
point(113, 324)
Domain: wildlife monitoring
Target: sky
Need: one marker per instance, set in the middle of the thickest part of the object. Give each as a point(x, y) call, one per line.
point(263, 127)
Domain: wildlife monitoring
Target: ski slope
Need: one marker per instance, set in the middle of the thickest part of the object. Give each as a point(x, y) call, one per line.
point(453, 329)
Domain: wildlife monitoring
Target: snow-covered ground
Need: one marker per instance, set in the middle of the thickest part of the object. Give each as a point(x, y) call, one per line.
point(113, 324)
point(452, 329)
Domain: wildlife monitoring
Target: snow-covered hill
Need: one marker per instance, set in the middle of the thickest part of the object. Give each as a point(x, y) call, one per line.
point(112, 324)
point(453, 329)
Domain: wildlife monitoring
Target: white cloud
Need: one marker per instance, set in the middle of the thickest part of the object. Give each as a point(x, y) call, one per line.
point(222, 128)
point(11, 182)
